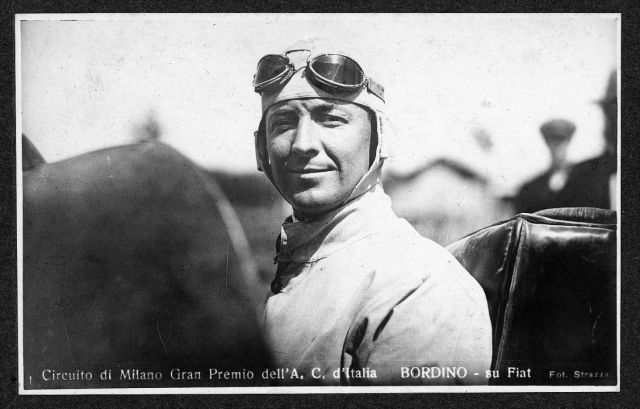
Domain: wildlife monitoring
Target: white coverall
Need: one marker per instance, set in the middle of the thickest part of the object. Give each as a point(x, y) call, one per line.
point(366, 300)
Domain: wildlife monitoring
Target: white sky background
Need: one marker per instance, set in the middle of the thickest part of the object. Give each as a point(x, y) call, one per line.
point(87, 84)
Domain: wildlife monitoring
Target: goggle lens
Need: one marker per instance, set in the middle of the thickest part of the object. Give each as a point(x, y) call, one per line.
point(333, 71)
point(270, 67)
point(338, 69)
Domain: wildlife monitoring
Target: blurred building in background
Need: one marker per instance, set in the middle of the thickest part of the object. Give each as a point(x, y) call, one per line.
point(444, 199)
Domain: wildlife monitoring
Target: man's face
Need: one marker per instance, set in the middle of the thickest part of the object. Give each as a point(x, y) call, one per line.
point(318, 151)
point(558, 150)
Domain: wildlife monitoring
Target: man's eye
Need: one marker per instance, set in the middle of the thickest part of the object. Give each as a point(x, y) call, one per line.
point(333, 120)
point(281, 125)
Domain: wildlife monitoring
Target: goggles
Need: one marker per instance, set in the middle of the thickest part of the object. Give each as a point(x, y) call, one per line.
point(334, 73)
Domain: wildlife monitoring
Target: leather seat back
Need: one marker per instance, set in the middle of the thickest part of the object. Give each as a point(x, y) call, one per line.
point(550, 282)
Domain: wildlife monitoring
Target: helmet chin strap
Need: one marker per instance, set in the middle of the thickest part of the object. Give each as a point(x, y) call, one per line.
point(368, 182)
point(373, 176)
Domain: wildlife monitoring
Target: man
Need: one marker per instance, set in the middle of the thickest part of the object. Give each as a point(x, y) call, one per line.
point(593, 182)
point(359, 296)
point(546, 191)
point(590, 183)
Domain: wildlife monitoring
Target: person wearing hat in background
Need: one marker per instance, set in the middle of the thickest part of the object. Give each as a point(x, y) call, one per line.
point(359, 297)
point(593, 183)
point(546, 191)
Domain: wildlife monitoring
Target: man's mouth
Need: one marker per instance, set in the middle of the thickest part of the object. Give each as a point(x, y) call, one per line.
point(304, 171)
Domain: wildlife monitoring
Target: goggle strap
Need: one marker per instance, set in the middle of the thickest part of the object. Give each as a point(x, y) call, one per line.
point(375, 88)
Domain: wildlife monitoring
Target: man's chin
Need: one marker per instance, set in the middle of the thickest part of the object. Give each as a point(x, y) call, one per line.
point(309, 206)
point(309, 211)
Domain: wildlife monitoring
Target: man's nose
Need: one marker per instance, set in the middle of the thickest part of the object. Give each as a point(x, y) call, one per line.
point(306, 142)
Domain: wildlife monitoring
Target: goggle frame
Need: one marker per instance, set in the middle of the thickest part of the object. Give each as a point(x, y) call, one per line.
point(316, 78)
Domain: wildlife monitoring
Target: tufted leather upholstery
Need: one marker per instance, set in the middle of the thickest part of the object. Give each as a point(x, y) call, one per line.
point(550, 281)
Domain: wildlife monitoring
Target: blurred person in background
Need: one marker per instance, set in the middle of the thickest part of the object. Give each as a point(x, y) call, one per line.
point(547, 191)
point(593, 183)
point(359, 297)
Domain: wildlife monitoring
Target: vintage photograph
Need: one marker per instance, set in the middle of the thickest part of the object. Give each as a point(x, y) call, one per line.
point(318, 203)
